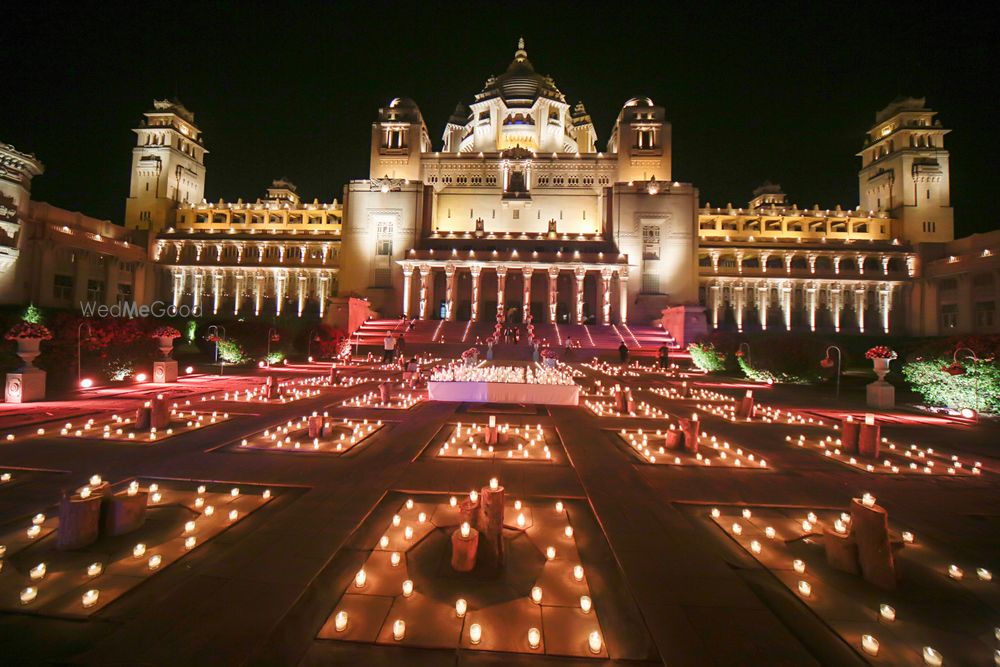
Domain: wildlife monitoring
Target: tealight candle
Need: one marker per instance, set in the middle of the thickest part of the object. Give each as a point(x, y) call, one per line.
point(422, 517)
point(747, 514)
point(154, 561)
point(473, 496)
point(340, 621)
point(476, 633)
point(536, 594)
point(799, 566)
point(154, 487)
point(578, 572)
point(984, 574)
point(518, 505)
point(550, 553)
point(94, 569)
point(569, 531)
point(360, 578)
point(189, 527)
point(139, 550)
point(89, 598)
point(461, 606)
point(932, 657)
point(465, 529)
point(408, 533)
point(769, 533)
point(28, 594)
point(955, 572)
point(908, 537)
point(868, 500)
point(399, 629)
point(199, 503)
point(190, 542)
point(85, 492)
point(394, 559)
point(38, 572)
point(453, 501)
point(869, 644)
point(520, 521)
point(716, 513)
point(494, 484)
point(201, 489)
point(737, 529)
point(594, 642)
point(585, 604)
point(95, 480)
point(805, 589)
point(383, 541)
point(559, 506)
point(38, 519)
point(407, 588)
point(755, 546)
point(233, 515)
point(534, 637)
point(887, 613)
point(409, 503)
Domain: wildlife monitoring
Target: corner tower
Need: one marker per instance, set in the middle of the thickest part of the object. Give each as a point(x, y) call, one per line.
point(642, 141)
point(904, 172)
point(168, 166)
point(399, 137)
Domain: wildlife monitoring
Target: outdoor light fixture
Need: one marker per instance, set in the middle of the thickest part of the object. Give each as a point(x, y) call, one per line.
point(86, 383)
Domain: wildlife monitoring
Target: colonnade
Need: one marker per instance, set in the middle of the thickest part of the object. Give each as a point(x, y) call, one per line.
point(238, 287)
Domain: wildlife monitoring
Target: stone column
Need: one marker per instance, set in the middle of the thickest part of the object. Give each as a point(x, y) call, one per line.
point(449, 292)
point(763, 301)
point(786, 304)
point(239, 280)
point(623, 295)
point(812, 300)
point(280, 283)
point(178, 286)
point(323, 291)
point(885, 305)
point(425, 272)
point(859, 306)
point(526, 271)
point(836, 302)
point(713, 303)
point(606, 274)
point(303, 289)
point(739, 296)
point(258, 292)
point(501, 284)
point(216, 290)
point(407, 280)
point(476, 271)
point(199, 279)
point(580, 273)
point(553, 272)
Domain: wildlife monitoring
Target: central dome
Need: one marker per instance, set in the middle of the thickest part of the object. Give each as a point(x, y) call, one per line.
point(521, 84)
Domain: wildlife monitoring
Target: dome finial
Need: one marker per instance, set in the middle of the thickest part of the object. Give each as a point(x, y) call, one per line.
point(520, 54)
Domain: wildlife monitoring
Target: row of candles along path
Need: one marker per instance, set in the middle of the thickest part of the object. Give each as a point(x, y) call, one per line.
point(341, 619)
point(351, 433)
point(638, 440)
point(491, 434)
point(90, 598)
point(374, 400)
point(641, 410)
point(613, 370)
point(861, 443)
point(812, 524)
point(118, 427)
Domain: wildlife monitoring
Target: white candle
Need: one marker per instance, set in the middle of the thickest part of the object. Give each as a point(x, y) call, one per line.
point(94, 569)
point(408, 533)
point(453, 501)
point(190, 542)
point(737, 529)
point(559, 506)
point(520, 521)
point(578, 572)
point(396, 520)
point(360, 578)
point(955, 572)
point(769, 533)
point(536, 594)
point(932, 657)
point(407, 588)
point(461, 606)
point(89, 598)
point(473, 496)
point(799, 566)
point(139, 550)
point(189, 527)
point(716, 513)
point(394, 559)
point(340, 621)
point(594, 642)
point(465, 530)
point(475, 633)
point(984, 574)
point(869, 644)
point(383, 541)
point(154, 561)
point(550, 553)
point(422, 517)
point(805, 589)
point(409, 503)
point(233, 515)
point(755, 546)
point(38, 519)
point(534, 637)
point(747, 514)
point(868, 500)
point(399, 629)
point(28, 594)
point(85, 492)
point(887, 613)
point(908, 537)
point(585, 604)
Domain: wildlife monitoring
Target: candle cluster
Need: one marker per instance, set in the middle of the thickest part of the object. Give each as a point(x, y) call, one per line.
point(893, 459)
point(332, 436)
point(121, 428)
point(651, 447)
point(503, 374)
point(471, 441)
point(373, 400)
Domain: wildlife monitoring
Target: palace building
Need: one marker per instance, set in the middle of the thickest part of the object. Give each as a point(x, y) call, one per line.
point(521, 208)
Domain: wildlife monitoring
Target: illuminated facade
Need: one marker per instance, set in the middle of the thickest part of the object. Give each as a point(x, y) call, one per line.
point(520, 209)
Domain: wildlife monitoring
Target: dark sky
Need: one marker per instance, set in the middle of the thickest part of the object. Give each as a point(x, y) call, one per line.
point(783, 91)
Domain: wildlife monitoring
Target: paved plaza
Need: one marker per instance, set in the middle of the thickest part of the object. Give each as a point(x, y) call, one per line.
point(684, 558)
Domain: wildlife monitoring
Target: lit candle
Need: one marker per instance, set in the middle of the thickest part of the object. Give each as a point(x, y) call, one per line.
point(340, 621)
point(133, 488)
point(475, 633)
point(869, 419)
point(156, 497)
point(473, 496)
point(154, 487)
point(534, 637)
point(559, 506)
point(517, 505)
point(716, 513)
point(747, 514)
point(594, 642)
point(461, 606)
point(578, 572)
point(955, 572)
point(199, 503)
point(38, 572)
point(233, 515)
point(805, 589)
point(190, 542)
point(409, 503)
point(908, 537)
point(465, 530)
point(737, 529)
point(984, 574)
point(267, 494)
point(585, 604)
point(85, 492)
point(536, 594)
point(408, 533)
point(868, 500)
point(799, 566)
point(139, 550)
point(869, 644)
point(887, 613)
point(94, 569)
point(154, 561)
point(932, 657)
point(569, 531)
point(839, 526)
point(453, 501)
point(396, 519)
point(407, 588)
point(189, 527)
point(494, 484)
point(38, 519)
point(360, 578)
point(28, 594)
point(89, 598)
point(399, 629)
point(755, 546)
point(769, 533)
point(550, 553)
point(520, 521)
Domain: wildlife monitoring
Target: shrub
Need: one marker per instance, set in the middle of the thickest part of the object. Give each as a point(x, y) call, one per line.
point(706, 357)
point(979, 385)
point(231, 352)
point(118, 367)
point(271, 359)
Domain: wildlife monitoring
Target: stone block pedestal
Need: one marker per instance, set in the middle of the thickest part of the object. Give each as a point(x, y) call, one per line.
point(165, 371)
point(881, 395)
point(25, 386)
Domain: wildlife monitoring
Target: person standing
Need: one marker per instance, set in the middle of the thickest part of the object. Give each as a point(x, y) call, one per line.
point(664, 356)
point(623, 352)
point(388, 347)
point(400, 346)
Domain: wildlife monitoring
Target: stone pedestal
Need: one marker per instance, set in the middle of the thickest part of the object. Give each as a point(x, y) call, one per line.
point(746, 407)
point(881, 395)
point(841, 551)
point(79, 520)
point(122, 513)
point(384, 392)
point(165, 371)
point(490, 524)
point(689, 427)
point(870, 526)
point(315, 426)
point(869, 440)
point(25, 386)
point(463, 550)
point(849, 430)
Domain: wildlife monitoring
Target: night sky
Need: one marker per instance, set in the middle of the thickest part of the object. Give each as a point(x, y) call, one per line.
point(782, 92)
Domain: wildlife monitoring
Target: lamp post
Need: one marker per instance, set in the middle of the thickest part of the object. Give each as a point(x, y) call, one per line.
point(213, 330)
point(271, 333)
point(312, 335)
point(827, 362)
point(79, 356)
point(744, 349)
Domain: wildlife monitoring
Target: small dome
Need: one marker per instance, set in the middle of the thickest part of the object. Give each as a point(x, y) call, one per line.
point(521, 83)
point(640, 102)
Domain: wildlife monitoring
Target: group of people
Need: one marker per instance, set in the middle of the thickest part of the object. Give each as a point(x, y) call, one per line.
point(662, 354)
